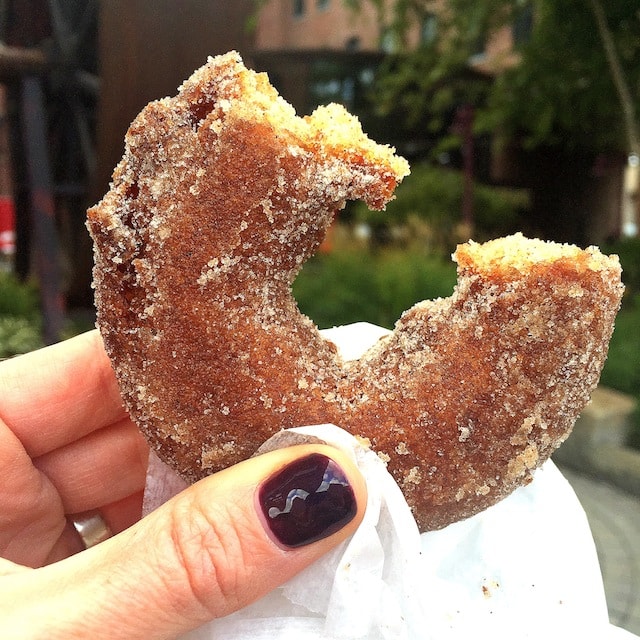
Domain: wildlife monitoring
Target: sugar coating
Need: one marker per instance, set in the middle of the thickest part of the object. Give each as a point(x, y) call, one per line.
point(222, 194)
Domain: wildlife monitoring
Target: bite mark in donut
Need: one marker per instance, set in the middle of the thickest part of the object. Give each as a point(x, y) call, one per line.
point(221, 196)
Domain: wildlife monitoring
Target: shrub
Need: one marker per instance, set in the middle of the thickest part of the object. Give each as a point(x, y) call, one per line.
point(19, 316)
point(629, 251)
point(18, 335)
point(17, 299)
point(622, 368)
point(352, 286)
point(434, 195)
point(634, 436)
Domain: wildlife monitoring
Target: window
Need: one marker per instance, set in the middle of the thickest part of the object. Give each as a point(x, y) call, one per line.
point(334, 81)
point(389, 41)
point(322, 5)
point(429, 31)
point(352, 43)
point(299, 8)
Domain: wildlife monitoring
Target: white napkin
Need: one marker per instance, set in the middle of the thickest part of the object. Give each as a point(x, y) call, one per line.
point(525, 568)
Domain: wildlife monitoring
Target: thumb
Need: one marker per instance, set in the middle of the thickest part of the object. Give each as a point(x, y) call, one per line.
point(216, 547)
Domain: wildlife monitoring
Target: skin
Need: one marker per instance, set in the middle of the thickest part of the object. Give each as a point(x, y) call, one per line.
point(67, 446)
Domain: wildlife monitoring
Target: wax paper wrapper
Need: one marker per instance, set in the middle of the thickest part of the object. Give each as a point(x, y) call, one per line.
point(524, 568)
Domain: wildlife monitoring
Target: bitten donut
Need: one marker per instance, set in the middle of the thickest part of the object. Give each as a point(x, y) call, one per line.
point(221, 196)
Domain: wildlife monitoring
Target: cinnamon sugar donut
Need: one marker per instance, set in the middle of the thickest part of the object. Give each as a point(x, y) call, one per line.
point(222, 194)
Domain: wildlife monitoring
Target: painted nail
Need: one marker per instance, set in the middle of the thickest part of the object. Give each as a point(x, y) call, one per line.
point(306, 501)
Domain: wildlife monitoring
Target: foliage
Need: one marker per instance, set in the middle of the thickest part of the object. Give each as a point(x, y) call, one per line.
point(19, 316)
point(16, 298)
point(622, 369)
point(425, 83)
point(352, 286)
point(434, 195)
point(628, 249)
point(634, 436)
point(560, 92)
point(18, 335)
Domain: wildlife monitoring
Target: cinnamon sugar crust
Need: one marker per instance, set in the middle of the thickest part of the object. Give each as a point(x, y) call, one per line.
point(221, 196)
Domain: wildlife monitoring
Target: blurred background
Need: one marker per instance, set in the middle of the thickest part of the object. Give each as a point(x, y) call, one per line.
point(516, 115)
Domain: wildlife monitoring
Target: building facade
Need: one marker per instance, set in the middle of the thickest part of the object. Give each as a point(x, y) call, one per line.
point(333, 25)
point(316, 24)
point(317, 51)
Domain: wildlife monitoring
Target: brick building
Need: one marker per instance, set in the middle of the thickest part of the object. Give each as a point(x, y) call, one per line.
point(317, 51)
point(320, 50)
point(316, 24)
point(331, 25)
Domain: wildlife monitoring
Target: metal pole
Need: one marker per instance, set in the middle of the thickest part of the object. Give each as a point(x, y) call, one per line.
point(46, 254)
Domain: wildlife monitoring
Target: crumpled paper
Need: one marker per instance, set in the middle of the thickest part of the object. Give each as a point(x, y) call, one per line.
point(524, 568)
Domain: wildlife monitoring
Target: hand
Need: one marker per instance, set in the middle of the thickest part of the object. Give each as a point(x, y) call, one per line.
point(67, 446)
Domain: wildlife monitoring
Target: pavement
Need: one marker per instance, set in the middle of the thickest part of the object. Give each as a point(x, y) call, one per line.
point(614, 517)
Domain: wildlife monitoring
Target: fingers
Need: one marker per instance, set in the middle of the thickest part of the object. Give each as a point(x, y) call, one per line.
point(67, 544)
point(102, 467)
point(61, 406)
point(123, 513)
point(8, 568)
point(105, 470)
point(118, 516)
point(219, 545)
point(31, 514)
point(58, 394)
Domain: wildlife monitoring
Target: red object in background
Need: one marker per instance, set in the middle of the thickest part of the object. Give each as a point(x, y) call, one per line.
point(7, 226)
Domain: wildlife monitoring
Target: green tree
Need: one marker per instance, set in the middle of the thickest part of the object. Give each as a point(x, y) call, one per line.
point(570, 92)
point(577, 81)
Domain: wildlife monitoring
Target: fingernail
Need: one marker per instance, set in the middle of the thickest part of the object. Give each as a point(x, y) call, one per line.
point(308, 500)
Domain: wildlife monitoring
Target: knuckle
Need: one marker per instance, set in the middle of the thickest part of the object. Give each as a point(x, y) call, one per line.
point(211, 548)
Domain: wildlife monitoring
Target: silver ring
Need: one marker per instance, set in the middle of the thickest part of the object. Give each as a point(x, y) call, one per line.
point(91, 528)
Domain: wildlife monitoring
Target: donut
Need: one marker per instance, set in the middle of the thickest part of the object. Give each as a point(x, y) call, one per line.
point(221, 196)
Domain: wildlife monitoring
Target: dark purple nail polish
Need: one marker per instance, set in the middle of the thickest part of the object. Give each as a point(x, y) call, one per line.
point(306, 501)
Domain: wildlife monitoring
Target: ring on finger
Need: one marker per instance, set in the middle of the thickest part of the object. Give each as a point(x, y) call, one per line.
point(91, 527)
